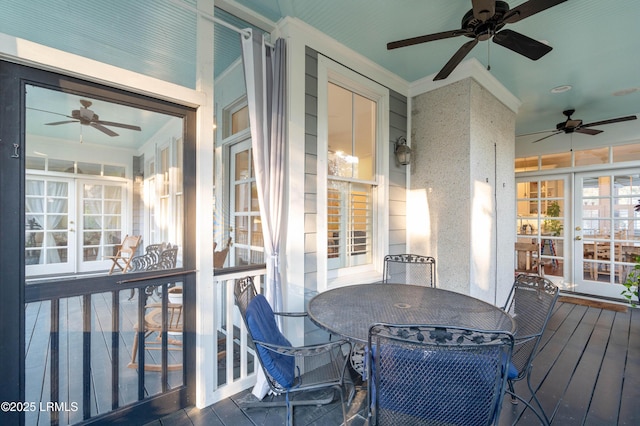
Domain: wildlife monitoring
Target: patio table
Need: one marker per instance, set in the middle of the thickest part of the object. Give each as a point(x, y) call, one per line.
point(349, 311)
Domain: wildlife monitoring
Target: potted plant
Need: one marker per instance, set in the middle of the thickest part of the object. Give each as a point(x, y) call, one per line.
point(632, 282)
point(553, 226)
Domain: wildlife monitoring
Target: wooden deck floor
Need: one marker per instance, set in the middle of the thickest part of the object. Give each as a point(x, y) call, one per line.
point(587, 373)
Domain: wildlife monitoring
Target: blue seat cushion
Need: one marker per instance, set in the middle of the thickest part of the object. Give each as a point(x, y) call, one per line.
point(262, 326)
point(512, 372)
point(421, 383)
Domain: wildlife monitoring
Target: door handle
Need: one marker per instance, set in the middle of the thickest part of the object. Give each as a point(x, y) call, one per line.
point(578, 228)
point(578, 238)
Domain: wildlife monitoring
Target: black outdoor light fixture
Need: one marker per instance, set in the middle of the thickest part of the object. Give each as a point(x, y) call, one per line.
point(402, 151)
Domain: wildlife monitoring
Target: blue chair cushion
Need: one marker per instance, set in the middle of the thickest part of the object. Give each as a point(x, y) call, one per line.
point(409, 388)
point(262, 326)
point(512, 372)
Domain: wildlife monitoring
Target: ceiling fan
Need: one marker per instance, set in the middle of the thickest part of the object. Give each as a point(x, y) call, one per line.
point(87, 117)
point(570, 125)
point(485, 21)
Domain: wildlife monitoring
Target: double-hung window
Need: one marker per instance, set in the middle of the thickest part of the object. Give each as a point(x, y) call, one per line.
point(351, 172)
point(351, 177)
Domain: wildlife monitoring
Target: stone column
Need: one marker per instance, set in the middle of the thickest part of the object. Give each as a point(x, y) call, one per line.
point(462, 192)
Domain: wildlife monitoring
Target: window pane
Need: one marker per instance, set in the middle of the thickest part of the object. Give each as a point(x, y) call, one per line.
point(60, 166)
point(114, 171)
point(592, 156)
point(242, 165)
point(626, 153)
point(526, 164)
point(555, 161)
point(364, 138)
point(35, 163)
point(89, 169)
point(239, 120)
point(340, 132)
point(349, 224)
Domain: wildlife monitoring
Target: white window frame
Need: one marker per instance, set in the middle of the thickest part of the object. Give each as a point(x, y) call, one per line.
point(330, 71)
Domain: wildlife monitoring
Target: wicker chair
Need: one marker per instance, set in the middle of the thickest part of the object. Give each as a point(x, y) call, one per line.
point(436, 375)
point(290, 370)
point(409, 269)
point(531, 303)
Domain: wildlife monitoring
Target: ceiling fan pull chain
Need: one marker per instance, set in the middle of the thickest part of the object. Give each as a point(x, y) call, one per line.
point(488, 56)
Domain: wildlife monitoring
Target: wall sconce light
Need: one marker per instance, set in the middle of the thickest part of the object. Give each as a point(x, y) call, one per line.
point(402, 151)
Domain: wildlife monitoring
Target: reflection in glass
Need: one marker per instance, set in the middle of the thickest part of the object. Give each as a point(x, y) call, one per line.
point(81, 198)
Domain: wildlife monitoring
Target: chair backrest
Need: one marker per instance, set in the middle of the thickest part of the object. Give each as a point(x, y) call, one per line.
point(168, 259)
point(409, 269)
point(433, 374)
point(244, 292)
point(528, 259)
point(261, 325)
point(219, 257)
point(129, 245)
point(530, 303)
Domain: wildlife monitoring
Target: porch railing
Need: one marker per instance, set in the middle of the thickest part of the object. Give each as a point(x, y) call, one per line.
point(236, 361)
point(81, 363)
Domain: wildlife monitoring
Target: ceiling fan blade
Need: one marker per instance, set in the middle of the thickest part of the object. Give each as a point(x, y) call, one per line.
point(49, 112)
point(611, 121)
point(521, 44)
point(61, 122)
point(426, 38)
point(591, 132)
point(529, 8)
point(456, 59)
point(552, 134)
point(113, 124)
point(536, 133)
point(103, 129)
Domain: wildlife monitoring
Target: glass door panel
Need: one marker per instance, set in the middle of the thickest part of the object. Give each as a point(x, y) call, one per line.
point(541, 217)
point(50, 225)
point(608, 230)
point(248, 242)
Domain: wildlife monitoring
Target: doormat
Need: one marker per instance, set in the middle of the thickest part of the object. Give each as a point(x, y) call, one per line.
point(593, 303)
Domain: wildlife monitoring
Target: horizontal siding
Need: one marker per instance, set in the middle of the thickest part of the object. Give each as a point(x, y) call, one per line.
point(397, 176)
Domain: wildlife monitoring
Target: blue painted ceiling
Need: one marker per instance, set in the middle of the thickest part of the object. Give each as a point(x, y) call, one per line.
point(596, 44)
point(596, 50)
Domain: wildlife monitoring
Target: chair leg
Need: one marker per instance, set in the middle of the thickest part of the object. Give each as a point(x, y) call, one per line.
point(542, 417)
point(512, 391)
point(535, 398)
point(134, 351)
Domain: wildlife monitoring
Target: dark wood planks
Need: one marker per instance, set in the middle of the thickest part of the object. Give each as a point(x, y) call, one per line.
point(587, 371)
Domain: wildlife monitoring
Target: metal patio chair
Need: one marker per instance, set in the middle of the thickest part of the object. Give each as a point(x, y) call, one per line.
point(290, 370)
point(409, 269)
point(530, 303)
point(436, 375)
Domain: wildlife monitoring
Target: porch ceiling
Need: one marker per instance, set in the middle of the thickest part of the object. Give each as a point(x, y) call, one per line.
point(595, 45)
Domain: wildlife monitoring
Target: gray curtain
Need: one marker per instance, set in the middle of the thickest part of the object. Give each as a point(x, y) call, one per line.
point(264, 70)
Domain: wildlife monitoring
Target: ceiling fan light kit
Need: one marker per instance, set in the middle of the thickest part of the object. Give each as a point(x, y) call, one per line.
point(484, 21)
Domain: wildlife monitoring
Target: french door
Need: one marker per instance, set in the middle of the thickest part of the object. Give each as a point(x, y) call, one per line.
point(606, 231)
point(71, 224)
point(542, 218)
point(248, 242)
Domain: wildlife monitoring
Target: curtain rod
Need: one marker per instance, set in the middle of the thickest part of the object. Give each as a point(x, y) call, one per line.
point(215, 20)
